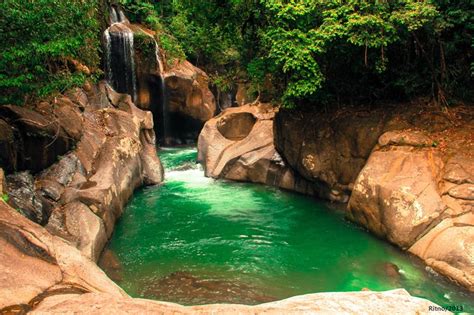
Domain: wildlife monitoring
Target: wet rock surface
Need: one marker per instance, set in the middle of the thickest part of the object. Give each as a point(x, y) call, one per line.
point(21, 190)
point(111, 265)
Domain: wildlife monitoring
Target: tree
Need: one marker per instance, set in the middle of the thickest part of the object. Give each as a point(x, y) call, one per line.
point(302, 33)
point(40, 39)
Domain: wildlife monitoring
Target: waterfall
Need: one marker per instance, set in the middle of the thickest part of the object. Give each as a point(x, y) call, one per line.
point(164, 102)
point(117, 16)
point(120, 54)
point(121, 71)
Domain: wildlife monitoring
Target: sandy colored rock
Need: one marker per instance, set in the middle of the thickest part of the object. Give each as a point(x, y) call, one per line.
point(34, 262)
point(238, 145)
point(152, 170)
point(390, 302)
point(87, 228)
point(449, 247)
point(396, 196)
point(459, 170)
point(188, 91)
point(421, 198)
point(69, 117)
point(81, 195)
point(464, 191)
point(405, 137)
point(3, 184)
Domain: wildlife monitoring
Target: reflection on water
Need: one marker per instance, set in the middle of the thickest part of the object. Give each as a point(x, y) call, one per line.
point(195, 240)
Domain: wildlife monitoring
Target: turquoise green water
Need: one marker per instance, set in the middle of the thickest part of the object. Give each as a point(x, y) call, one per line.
point(195, 240)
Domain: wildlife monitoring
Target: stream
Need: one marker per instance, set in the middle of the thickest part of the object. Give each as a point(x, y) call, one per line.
point(195, 240)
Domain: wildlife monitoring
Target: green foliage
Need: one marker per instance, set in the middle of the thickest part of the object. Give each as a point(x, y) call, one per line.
point(314, 50)
point(298, 51)
point(39, 40)
point(147, 13)
point(302, 32)
point(5, 197)
point(144, 43)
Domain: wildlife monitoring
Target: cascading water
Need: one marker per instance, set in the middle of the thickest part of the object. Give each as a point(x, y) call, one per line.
point(117, 16)
point(120, 59)
point(164, 102)
point(123, 74)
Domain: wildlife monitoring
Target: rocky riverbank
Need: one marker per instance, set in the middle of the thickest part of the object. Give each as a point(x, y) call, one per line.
point(407, 176)
point(44, 274)
point(101, 148)
point(58, 219)
point(48, 266)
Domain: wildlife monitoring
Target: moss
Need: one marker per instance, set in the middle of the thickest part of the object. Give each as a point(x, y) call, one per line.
point(5, 197)
point(144, 43)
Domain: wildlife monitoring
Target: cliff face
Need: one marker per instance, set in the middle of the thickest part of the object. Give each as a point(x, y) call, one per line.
point(177, 94)
point(407, 174)
point(111, 152)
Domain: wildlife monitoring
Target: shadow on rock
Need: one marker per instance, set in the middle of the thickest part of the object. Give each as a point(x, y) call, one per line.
point(111, 265)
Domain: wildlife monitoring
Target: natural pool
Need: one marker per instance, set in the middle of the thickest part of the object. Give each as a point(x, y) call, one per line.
point(195, 240)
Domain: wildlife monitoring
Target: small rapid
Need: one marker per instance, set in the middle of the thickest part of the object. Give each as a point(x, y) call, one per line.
point(195, 240)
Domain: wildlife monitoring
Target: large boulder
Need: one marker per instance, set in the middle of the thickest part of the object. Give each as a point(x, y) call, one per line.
point(36, 264)
point(189, 102)
point(328, 150)
point(31, 140)
point(419, 194)
point(188, 91)
point(396, 194)
point(238, 145)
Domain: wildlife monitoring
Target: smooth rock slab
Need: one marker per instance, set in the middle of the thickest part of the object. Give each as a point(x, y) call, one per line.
point(390, 302)
point(396, 196)
point(33, 262)
point(238, 145)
